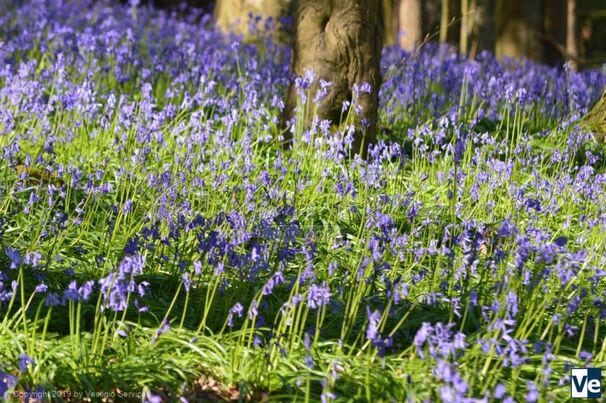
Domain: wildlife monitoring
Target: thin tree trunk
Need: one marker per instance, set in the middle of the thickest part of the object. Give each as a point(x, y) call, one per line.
point(444, 20)
point(465, 27)
point(450, 21)
point(572, 43)
point(410, 24)
point(341, 43)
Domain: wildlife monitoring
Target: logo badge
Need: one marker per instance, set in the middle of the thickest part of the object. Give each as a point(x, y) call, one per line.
point(586, 383)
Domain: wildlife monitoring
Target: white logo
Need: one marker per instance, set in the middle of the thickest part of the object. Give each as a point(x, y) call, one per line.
point(586, 383)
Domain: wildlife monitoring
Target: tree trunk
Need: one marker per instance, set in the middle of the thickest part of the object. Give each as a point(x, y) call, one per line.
point(234, 16)
point(431, 17)
point(554, 26)
point(467, 15)
point(483, 27)
point(444, 20)
point(410, 24)
point(595, 120)
point(340, 41)
point(389, 22)
point(450, 21)
point(572, 41)
point(519, 27)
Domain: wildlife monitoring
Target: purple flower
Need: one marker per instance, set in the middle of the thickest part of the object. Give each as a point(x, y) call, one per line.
point(372, 331)
point(327, 397)
point(162, 329)
point(307, 341)
point(238, 310)
point(197, 267)
point(253, 310)
point(128, 205)
point(422, 335)
point(41, 288)
point(499, 391)
point(86, 290)
point(119, 284)
point(533, 392)
point(7, 382)
point(14, 256)
point(52, 299)
point(153, 399)
point(71, 292)
point(561, 241)
point(132, 264)
point(318, 296)
point(309, 361)
point(511, 300)
point(447, 394)
point(276, 279)
point(219, 269)
point(187, 282)
point(33, 258)
point(24, 362)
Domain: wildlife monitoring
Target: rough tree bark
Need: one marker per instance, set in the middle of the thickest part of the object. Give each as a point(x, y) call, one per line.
point(519, 25)
point(595, 120)
point(234, 16)
point(340, 41)
point(410, 24)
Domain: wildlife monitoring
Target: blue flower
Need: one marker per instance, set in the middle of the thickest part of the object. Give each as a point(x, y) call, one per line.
point(24, 362)
point(318, 296)
point(7, 382)
point(14, 256)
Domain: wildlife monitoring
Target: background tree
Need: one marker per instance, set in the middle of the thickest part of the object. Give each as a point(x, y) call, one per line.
point(235, 16)
point(572, 37)
point(518, 28)
point(595, 120)
point(410, 23)
point(482, 32)
point(341, 42)
point(554, 29)
point(390, 21)
point(450, 21)
point(466, 25)
point(536, 29)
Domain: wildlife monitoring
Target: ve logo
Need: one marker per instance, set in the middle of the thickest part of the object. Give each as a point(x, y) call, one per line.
point(586, 383)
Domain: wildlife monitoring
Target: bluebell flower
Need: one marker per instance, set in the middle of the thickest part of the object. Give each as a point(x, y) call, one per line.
point(238, 310)
point(276, 279)
point(41, 288)
point(162, 329)
point(24, 362)
point(533, 393)
point(499, 391)
point(7, 382)
point(14, 257)
point(52, 299)
point(327, 397)
point(318, 296)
